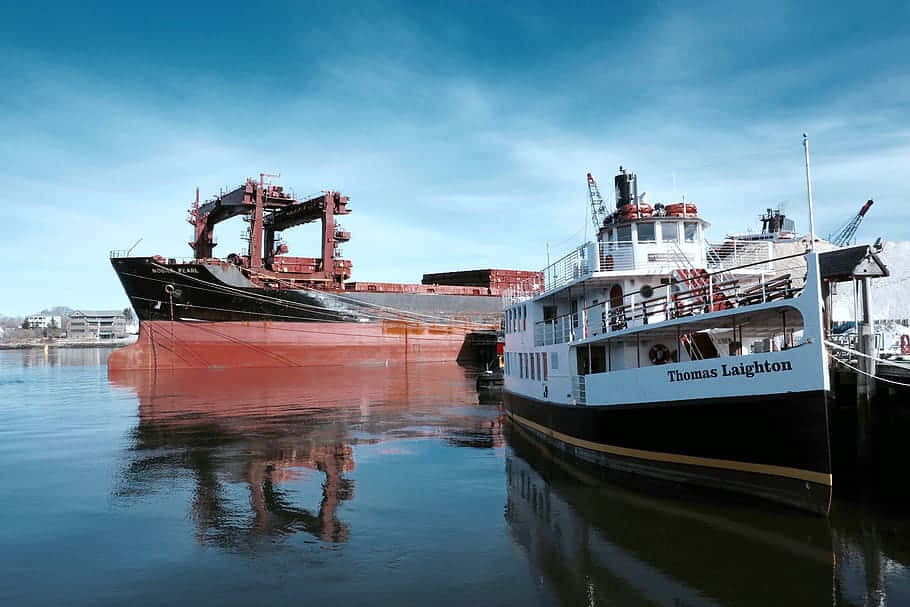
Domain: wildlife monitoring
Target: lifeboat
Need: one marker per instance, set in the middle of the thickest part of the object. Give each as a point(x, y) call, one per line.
point(680, 209)
point(634, 211)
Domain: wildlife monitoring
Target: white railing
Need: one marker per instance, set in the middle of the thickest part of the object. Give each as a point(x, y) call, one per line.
point(558, 330)
point(734, 253)
point(625, 256)
point(577, 264)
point(615, 256)
point(700, 293)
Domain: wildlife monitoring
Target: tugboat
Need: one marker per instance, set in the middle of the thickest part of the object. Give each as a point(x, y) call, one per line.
point(651, 351)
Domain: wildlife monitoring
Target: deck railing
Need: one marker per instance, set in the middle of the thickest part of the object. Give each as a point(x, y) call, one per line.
point(662, 257)
point(736, 253)
point(701, 294)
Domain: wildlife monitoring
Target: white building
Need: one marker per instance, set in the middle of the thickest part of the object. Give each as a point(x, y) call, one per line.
point(41, 321)
point(97, 324)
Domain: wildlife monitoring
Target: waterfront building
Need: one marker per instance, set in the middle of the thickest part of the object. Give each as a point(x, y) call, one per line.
point(97, 324)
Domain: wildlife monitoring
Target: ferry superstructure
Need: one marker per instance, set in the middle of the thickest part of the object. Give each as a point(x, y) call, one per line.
point(651, 351)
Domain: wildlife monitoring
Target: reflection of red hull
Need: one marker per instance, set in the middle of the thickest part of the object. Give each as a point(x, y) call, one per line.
point(193, 345)
point(185, 396)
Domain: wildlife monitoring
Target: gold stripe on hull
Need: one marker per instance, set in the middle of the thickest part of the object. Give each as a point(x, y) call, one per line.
point(657, 456)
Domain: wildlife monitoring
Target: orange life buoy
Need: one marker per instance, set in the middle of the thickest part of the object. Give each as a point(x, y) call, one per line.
point(659, 354)
point(633, 210)
point(679, 209)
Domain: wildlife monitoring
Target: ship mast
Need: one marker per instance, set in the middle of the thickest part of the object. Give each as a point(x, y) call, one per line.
point(809, 191)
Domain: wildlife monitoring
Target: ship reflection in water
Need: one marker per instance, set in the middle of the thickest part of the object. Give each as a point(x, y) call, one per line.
point(280, 433)
point(597, 543)
point(393, 482)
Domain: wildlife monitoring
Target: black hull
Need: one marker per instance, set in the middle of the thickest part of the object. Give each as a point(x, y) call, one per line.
point(220, 293)
point(770, 446)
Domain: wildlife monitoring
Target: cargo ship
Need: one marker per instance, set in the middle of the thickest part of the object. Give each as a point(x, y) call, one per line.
point(265, 308)
point(655, 352)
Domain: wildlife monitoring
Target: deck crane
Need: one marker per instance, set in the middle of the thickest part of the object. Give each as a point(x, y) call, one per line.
point(845, 236)
point(598, 209)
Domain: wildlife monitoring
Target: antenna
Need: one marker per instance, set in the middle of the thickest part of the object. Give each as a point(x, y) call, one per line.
point(809, 191)
point(262, 177)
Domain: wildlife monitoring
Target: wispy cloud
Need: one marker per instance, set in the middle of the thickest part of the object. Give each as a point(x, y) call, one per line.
point(461, 136)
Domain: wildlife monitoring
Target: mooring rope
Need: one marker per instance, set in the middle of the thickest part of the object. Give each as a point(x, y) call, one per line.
point(858, 353)
point(860, 371)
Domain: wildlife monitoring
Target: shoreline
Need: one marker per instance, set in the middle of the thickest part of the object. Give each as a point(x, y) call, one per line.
point(67, 343)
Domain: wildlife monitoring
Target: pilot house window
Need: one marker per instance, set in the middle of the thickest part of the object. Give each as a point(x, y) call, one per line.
point(691, 231)
point(646, 232)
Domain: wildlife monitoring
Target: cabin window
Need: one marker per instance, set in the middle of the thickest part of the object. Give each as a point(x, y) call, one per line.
point(691, 231)
point(646, 232)
point(624, 234)
point(546, 371)
point(537, 362)
point(669, 232)
point(554, 361)
point(531, 360)
point(524, 318)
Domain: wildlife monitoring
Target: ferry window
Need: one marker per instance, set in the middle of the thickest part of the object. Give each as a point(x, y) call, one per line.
point(554, 361)
point(531, 360)
point(521, 365)
point(546, 372)
point(524, 318)
point(573, 309)
point(646, 232)
point(624, 234)
point(691, 231)
point(537, 359)
point(669, 232)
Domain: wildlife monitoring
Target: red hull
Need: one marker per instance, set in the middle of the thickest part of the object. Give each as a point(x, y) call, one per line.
point(196, 345)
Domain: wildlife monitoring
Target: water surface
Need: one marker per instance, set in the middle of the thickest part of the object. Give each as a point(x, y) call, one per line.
point(381, 486)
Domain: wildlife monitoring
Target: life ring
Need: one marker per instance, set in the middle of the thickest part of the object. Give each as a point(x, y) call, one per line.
point(635, 210)
point(679, 209)
point(905, 344)
point(659, 354)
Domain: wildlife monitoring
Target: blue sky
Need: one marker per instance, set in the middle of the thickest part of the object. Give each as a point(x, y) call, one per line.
point(461, 131)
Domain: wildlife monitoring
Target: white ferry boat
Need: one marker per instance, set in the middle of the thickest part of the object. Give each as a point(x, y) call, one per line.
point(653, 352)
